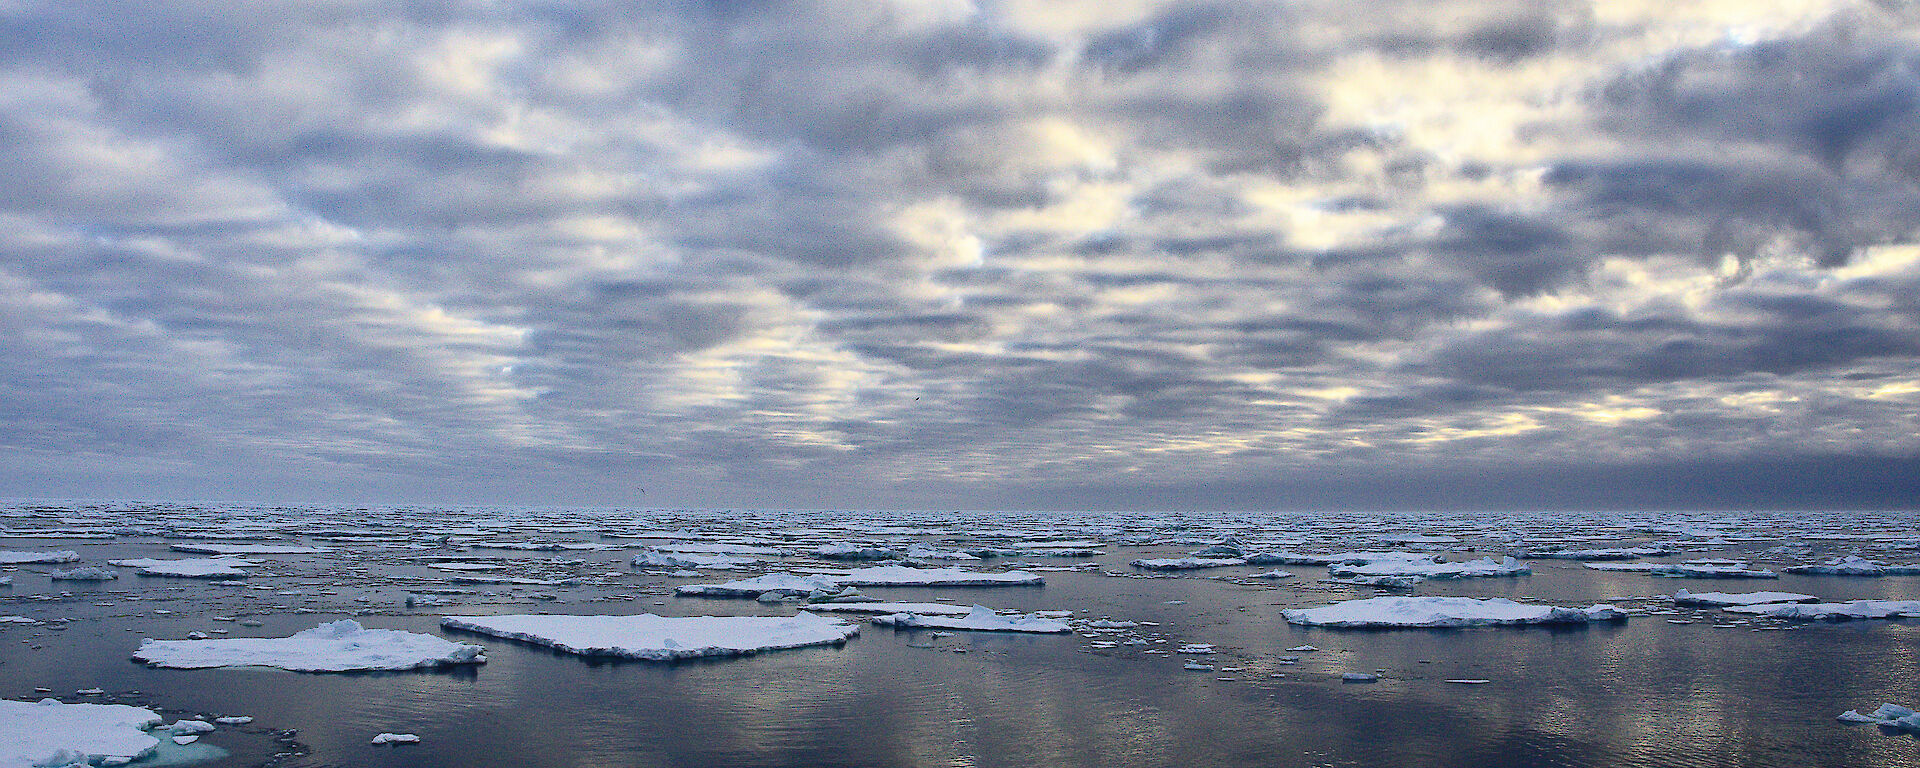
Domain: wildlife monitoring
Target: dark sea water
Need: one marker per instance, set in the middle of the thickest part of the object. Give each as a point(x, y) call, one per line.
point(1718, 691)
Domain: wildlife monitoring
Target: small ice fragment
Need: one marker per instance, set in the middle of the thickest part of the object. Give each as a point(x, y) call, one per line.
point(1358, 677)
point(1468, 681)
point(396, 738)
point(1303, 649)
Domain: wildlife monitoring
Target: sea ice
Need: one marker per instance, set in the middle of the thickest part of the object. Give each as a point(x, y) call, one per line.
point(980, 618)
point(1853, 565)
point(1187, 563)
point(661, 638)
point(1426, 569)
point(902, 576)
point(396, 738)
point(21, 558)
point(1852, 609)
point(49, 733)
point(653, 558)
point(855, 552)
point(340, 646)
point(777, 583)
point(1889, 715)
point(202, 568)
point(248, 549)
point(1384, 612)
point(82, 573)
point(924, 609)
point(1683, 597)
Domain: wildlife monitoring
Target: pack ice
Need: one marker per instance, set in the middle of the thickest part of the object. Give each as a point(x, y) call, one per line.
point(980, 619)
point(1888, 715)
point(47, 733)
point(1683, 597)
point(1387, 612)
point(661, 638)
point(22, 558)
point(192, 568)
point(1853, 565)
point(340, 646)
point(1852, 609)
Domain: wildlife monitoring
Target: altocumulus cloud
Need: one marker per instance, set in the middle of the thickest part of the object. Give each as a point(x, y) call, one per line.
point(963, 254)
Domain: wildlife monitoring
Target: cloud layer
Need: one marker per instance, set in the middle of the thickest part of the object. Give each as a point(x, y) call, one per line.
point(962, 254)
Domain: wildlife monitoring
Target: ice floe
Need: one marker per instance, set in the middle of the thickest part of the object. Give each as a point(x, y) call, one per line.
point(1386, 612)
point(1888, 715)
point(1853, 565)
point(924, 609)
point(661, 638)
point(340, 646)
point(1187, 563)
point(396, 738)
point(82, 573)
point(248, 549)
point(1427, 569)
point(903, 576)
point(1689, 570)
point(980, 619)
point(775, 583)
point(8, 557)
point(652, 558)
point(1852, 609)
point(192, 568)
point(1683, 597)
point(49, 733)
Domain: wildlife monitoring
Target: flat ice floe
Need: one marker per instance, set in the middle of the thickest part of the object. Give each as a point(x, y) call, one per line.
point(1683, 597)
point(662, 638)
point(925, 609)
point(82, 573)
point(979, 619)
point(903, 576)
point(202, 568)
point(653, 558)
point(1852, 609)
point(48, 733)
point(1387, 612)
point(1698, 570)
point(340, 646)
point(1187, 563)
point(8, 557)
point(1853, 565)
point(248, 549)
point(776, 583)
point(1427, 569)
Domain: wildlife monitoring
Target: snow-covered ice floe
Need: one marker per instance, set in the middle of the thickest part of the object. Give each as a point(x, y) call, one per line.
point(1696, 570)
point(1427, 569)
point(8, 557)
point(979, 619)
point(340, 646)
point(49, 733)
point(924, 609)
point(194, 568)
point(82, 573)
point(1387, 612)
point(662, 638)
point(1187, 563)
point(1614, 553)
point(1853, 565)
point(903, 576)
point(1852, 609)
point(248, 549)
point(1888, 715)
point(653, 558)
point(1683, 597)
point(776, 583)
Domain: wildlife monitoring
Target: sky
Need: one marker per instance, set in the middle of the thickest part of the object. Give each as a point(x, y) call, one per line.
point(1020, 254)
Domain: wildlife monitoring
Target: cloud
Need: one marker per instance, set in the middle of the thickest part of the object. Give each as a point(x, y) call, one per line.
point(933, 254)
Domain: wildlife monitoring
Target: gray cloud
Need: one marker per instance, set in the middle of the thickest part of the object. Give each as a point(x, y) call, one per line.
point(805, 254)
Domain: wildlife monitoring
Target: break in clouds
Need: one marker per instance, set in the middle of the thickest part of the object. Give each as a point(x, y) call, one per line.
point(1037, 254)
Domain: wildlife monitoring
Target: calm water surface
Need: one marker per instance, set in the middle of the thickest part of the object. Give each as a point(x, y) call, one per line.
point(1644, 693)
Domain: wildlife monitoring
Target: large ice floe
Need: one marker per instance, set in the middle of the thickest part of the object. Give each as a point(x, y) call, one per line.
point(1853, 565)
point(662, 638)
point(193, 568)
point(1683, 597)
point(340, 646)
point(248, 549)
point(925, 609)
point(903, 576)
point(772, 583)
point(1427, 569)
point(1689, 570)
point(8, 557)
point(1390, 612)
point(49, 733)
point(653, 558)
point(1852, 609)
point(979, 619)
point(1187, 563)
point(1888, 715)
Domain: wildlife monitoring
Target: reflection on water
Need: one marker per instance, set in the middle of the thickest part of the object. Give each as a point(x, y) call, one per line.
point(1644, 693)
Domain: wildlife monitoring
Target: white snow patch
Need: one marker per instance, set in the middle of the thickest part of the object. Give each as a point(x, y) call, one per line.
point(340, 646)
point(193, 568)
point(661, 638)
